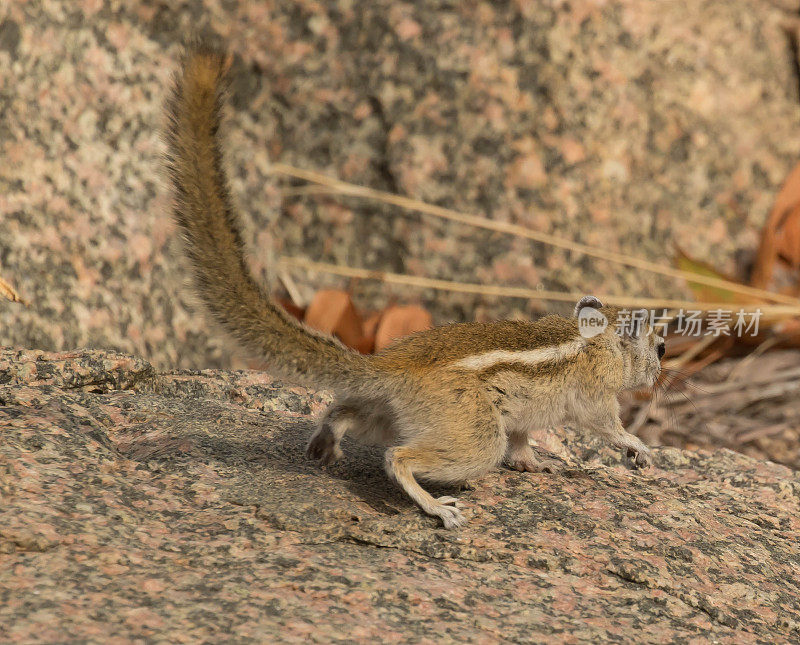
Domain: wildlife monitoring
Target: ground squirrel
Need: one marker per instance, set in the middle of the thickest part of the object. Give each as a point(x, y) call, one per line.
point(451, 403)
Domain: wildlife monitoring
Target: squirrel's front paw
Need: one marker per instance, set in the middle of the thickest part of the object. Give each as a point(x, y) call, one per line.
point(638, 458)
point(535, 465)
point(526, 460)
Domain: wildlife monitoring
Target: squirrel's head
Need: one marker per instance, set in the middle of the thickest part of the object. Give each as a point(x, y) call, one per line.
point(642, 348)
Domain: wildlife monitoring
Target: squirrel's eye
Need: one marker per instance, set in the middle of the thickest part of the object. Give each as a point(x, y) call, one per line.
point(662, 349)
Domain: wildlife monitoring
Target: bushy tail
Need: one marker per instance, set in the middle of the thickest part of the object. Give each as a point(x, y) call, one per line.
point(205, 212)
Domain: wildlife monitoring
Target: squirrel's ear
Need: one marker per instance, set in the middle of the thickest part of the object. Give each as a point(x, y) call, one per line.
point(587, 301)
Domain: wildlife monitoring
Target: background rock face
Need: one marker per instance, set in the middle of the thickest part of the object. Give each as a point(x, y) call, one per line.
point(623, 124)
point(179, 506)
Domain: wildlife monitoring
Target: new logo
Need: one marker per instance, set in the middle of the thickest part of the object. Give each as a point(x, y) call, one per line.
point(591, 322)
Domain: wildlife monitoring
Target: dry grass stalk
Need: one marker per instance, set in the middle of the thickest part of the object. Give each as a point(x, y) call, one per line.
point(740, 369)
point(344, 188)
point(773, 311)
point(689, 354)
point(8, 292)
point(788, 377)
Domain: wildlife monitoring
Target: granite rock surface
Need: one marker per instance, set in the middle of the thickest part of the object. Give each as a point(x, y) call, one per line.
point(139, 505)
point(627, 125)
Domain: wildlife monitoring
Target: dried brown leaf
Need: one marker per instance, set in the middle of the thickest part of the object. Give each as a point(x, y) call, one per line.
point(399, 321)
point(289, 306)
point(788, 234)
point(706, 293)
point(332, 312)
point(780, 236)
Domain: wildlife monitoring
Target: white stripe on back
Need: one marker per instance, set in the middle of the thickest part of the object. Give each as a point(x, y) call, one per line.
point(528, 357)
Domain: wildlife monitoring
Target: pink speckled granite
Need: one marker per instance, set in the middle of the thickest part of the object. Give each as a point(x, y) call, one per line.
point(626, 124)
point(138, 506)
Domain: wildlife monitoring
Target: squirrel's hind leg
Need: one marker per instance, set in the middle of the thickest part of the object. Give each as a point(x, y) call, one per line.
point(466, 444)
point(400, 465)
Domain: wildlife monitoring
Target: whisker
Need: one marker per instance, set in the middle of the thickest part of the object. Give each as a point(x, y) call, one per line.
point(682, 378)
point(697, 413)
point(672, 414)
point(659, 393)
